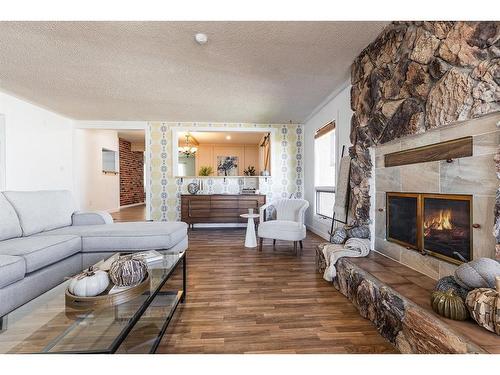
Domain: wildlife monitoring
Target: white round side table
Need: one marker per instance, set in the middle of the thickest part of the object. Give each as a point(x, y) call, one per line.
point(250, 239)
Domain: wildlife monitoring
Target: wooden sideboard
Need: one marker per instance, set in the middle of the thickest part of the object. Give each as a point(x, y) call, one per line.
point(218, 208)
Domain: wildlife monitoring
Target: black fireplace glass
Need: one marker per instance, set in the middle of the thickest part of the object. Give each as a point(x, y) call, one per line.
point(402, 219)
point(446, 227)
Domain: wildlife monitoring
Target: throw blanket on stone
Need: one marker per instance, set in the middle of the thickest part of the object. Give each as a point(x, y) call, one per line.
point(354, 247)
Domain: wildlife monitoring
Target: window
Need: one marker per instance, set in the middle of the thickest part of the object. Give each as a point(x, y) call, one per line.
point(109, 161)
point(324, 169)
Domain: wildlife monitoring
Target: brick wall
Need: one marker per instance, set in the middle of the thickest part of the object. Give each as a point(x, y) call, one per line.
point(131, 175)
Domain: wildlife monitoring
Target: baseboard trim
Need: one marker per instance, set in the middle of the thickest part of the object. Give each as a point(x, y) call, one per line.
point(319, 232)
point(133, 205)
point(221, 225)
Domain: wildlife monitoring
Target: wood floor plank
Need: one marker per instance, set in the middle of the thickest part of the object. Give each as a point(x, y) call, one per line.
point(243, 301)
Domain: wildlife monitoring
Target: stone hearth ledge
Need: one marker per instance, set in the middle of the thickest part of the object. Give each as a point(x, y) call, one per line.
point(408, 326)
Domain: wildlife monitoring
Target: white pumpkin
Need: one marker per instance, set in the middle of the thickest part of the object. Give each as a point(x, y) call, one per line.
point(89, 283)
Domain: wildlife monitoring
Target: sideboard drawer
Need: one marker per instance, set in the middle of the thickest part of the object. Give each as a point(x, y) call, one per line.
point(199, 205)
point(226, 203)
point(218, 208)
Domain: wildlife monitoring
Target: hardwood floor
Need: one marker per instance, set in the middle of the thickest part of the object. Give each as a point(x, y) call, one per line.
point(136, 213)
point(243, 301)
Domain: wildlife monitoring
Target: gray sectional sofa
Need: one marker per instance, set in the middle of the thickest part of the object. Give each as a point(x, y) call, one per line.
point(43, 239)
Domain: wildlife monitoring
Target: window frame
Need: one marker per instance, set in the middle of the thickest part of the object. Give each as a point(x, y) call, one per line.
point(323, 131)
point(317, 199)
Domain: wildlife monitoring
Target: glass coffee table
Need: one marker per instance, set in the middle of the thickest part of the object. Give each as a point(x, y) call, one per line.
point(46, 325)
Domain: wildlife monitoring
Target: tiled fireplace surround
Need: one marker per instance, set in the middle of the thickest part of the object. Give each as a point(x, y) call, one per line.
point(470, 175)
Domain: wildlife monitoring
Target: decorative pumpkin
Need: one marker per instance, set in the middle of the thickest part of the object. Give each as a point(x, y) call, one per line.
point(447, 283)
point(89, 283)
point(339, 236)
point(127, 271)
point(479, 273)
point(449, 305)
point(359, 232)
point(484, 307)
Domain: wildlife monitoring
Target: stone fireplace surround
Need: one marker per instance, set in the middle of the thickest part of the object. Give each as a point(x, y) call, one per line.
point(473, 175)
point(409, 86)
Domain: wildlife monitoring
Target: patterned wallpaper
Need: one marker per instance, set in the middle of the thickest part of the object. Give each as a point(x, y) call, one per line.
point(165, 190)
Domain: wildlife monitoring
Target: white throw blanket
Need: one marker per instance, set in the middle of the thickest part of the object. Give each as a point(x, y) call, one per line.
point(354, 247)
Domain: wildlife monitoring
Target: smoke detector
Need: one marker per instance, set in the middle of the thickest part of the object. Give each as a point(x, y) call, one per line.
point(201, 38)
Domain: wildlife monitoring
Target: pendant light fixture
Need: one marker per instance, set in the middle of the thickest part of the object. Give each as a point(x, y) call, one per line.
point(188, 149)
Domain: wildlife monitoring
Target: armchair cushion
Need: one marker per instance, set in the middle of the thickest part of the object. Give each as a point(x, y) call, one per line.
point(287, 210)
point(92, 218)
point(282, 230)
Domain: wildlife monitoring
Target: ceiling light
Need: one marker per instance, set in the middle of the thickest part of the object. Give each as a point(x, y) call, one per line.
point(188, 149)
point(201, 38)
point(228, 137)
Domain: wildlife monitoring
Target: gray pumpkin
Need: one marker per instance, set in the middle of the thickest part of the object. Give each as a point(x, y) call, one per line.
point(448, 283)
point(339, 236)
point(479, 273)
point(359, 232)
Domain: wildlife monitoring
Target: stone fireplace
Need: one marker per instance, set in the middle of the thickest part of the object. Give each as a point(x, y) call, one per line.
point(439, 225)
point(435, 197)
point(418, 84)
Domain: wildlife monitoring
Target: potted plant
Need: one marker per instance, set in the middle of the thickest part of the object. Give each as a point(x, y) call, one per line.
point(205, 170)
point(249, 171)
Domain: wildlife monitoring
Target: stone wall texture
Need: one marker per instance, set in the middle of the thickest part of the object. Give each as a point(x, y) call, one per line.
point(131, 175)
point(414, 77)
point(408, 326)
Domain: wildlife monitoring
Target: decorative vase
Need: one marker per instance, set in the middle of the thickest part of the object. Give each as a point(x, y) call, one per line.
point(484, 307)
point(193, 188)
point(127, 271)
point(449, 305)
point(89, 283)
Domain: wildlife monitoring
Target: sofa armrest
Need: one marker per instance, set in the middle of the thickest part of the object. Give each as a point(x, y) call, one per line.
point(92, 218)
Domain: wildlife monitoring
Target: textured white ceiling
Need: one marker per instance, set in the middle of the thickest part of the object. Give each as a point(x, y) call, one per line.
point(269, 72)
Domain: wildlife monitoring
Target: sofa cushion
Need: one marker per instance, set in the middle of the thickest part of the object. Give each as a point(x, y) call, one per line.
point(39, 251)
point(12, 269)
point(40, 211)
point(9, 222)
point(132, 236)
point(282, 230)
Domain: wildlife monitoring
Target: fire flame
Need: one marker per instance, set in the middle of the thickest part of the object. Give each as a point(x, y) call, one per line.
point(441, 221)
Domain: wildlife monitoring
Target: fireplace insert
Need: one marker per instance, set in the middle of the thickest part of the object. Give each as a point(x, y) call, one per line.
point(435, 224)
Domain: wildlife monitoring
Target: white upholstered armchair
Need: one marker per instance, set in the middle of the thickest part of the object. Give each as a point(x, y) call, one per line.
point(289, 224)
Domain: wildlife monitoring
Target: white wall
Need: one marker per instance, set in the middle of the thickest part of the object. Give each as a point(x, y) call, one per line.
point(2, 152)
point(94, 189)
point(338, 108)
point(39, 147)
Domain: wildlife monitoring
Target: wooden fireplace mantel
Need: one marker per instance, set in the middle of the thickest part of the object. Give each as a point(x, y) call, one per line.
point(449, 150)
